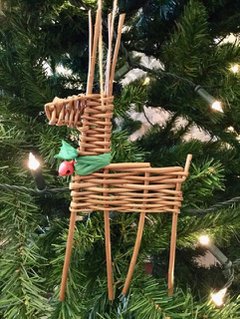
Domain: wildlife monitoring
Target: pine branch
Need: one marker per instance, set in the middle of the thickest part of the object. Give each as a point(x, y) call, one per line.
point(21, 286)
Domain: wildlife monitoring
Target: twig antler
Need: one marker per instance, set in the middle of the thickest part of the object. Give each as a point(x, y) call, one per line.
point(116, 51)
point(111, 18)
point(93, 47)
point(97, 43)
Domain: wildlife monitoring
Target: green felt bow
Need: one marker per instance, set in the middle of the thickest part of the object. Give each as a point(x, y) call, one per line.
point(67, 152)
point(84, 165)
point(89, 164)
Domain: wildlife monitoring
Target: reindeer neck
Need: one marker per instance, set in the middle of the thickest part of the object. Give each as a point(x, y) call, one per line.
point(96, 128)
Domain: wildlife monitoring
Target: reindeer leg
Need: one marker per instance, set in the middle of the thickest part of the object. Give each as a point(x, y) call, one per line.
point(172, 255)
point(67, 256)
point(108, 255)
point(135, 253)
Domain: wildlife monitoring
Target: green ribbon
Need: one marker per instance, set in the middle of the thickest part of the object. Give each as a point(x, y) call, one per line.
point(84, 165)
point(67, 152)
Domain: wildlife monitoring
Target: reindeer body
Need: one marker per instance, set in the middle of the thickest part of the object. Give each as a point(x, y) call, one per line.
point(121, 187)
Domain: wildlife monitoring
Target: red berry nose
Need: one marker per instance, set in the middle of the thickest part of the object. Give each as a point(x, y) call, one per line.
point(66, 168)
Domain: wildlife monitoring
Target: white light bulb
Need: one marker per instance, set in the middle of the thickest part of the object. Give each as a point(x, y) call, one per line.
point(146, 81)
point(204, 240)
point(217, 298)
point(33, 163)
point(234, 68)
point(217, 106)
point(230, 129)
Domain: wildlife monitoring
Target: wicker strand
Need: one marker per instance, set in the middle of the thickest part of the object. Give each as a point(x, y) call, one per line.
point(100, 57)
point(90, 45)
point(108, 249)
point(111, 18)
point(94, 52)
point(138, 240)
point(109, 54)
point(172, 255)
point(67, 256)
point(116, 50)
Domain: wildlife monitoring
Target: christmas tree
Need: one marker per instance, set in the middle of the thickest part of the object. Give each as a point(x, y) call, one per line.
point(178, 60)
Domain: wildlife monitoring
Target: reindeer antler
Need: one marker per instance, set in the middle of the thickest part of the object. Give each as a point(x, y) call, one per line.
point(92, 56)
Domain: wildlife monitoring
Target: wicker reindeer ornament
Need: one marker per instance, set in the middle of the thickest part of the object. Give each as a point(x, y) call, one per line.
point(121, 187)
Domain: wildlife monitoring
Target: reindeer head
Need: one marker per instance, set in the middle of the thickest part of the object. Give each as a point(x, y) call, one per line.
point(66, 111)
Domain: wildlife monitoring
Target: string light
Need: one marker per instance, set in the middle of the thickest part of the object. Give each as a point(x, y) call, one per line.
point(35, 168)
point(218, 297)
point(230, 129)
point(234, 68)
point(204, 240)
point(33, 163)
point(215, 104)
point(146, 81)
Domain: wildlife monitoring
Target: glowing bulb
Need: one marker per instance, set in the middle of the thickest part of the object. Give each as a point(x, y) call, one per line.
point(234, 68)
point(217, 298)
point(33, 163)
point(217, 106)
point(146, 81)
point(230, 129)
point(204, 240)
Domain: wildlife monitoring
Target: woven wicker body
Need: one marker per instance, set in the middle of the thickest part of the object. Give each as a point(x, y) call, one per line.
point(128, 187)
